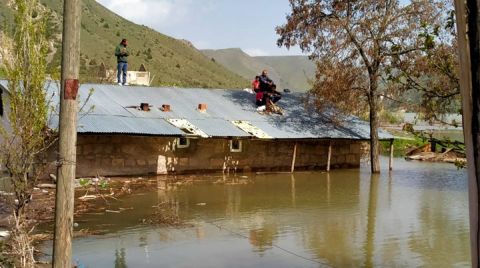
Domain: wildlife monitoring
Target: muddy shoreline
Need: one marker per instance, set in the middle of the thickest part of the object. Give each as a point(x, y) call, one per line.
point(41, 210)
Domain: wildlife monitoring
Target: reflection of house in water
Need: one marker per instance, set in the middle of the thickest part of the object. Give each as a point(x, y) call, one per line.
point(145, 130)
point(263, 238)
point(141, 77)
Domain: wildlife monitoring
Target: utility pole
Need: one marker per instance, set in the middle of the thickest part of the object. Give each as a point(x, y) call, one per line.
point(468, 32)
point(66, 162)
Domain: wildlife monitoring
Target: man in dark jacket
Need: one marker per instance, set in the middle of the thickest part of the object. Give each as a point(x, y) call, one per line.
point(122, 62)
point(269, 88)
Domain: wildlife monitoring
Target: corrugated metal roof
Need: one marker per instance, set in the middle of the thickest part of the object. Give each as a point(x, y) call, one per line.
point(116, 111)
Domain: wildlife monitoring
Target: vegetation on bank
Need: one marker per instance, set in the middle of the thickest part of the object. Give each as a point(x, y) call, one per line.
point(402, 146)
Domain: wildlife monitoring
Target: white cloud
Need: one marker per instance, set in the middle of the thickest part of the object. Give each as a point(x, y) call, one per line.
point(254, 52)
point(154, 13)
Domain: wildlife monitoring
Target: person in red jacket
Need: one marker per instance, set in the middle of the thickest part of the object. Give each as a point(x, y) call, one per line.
point(259, 100)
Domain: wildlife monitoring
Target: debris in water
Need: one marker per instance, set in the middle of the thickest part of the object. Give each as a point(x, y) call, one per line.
point(87, 197)
point(201, 204)
point(47, 185)
point(164, 214)
point(112, 211)
point(4, 234)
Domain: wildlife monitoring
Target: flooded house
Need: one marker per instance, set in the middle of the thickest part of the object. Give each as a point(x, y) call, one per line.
point(147, 130)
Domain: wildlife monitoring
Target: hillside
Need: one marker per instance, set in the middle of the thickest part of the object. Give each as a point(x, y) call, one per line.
point(288, 71)
point(172, 62)
point(295, 70)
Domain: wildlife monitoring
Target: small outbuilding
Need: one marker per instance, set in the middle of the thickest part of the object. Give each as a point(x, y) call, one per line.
point(150, 130)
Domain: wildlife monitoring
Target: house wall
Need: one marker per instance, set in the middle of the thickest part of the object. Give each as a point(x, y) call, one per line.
point(133, 77)
point(132, 155)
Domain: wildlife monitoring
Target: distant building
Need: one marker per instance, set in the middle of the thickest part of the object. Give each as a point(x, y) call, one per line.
point(145, 130)
point(139, 78)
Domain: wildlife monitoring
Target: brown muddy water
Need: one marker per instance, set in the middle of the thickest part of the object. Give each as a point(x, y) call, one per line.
point(415, 216)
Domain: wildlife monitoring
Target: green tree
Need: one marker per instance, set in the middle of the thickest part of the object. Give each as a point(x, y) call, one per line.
point(353, 43)
point(431, 72)
point(27, 136)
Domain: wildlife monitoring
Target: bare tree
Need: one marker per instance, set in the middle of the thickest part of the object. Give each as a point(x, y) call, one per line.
point(353, 43)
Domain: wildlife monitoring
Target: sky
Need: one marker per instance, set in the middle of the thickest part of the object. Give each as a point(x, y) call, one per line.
point(212, 24)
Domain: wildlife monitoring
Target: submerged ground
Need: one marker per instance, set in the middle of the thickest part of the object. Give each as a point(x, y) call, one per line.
point(415, 216)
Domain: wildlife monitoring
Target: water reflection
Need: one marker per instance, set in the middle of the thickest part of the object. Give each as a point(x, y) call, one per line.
point(262, 239)
point(416, 215)
point(371, 219)
point(120, 261)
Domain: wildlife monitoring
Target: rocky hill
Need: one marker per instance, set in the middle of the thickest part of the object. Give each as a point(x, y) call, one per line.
point(293, 72)
point(172, 62)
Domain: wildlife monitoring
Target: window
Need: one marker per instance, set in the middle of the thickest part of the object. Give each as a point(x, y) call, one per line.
point(183, 142)
point(235, 146)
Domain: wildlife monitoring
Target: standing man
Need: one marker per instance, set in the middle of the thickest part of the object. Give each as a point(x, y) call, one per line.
point(122, 62)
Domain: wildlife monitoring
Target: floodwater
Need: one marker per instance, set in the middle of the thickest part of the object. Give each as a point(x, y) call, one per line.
point(415, 216)
point(453, 135)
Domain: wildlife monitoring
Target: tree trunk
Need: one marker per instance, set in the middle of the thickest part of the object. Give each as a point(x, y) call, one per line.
point(468, 28)
point(374, 123)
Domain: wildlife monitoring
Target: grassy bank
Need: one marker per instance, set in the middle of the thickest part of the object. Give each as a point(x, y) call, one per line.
point(401, 147)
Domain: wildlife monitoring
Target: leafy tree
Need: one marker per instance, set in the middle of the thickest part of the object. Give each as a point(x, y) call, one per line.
point(353, 43)
point(432, 72)
point(27, 136)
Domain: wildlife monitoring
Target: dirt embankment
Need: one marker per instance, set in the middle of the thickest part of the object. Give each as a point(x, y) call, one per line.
point(41, 208)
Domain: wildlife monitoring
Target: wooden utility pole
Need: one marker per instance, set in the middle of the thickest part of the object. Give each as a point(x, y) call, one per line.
point(468, 30)
point(62, 244)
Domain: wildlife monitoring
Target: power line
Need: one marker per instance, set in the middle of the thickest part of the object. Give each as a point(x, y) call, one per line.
point(273, 245)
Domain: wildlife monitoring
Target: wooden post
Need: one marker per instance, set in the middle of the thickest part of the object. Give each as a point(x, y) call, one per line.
point(390, 161)
point(294, 157)
point(468, 32)
point(62, 247)
point(328, 188)
point(294, 203)
point(329, 156)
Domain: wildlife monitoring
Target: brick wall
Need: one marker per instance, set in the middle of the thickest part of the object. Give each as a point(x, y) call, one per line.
point(131, 155)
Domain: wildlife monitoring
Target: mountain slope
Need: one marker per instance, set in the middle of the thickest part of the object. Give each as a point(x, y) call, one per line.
point(296, 70)
point(288, 71)
point(172, 62)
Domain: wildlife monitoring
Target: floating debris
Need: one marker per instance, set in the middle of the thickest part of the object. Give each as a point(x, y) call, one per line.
point(47, 185)
point(165, 214)
point(112, 211)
